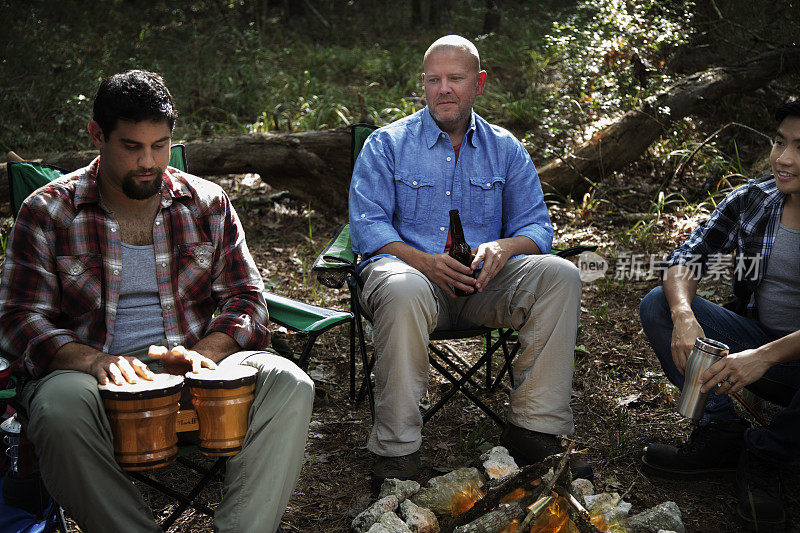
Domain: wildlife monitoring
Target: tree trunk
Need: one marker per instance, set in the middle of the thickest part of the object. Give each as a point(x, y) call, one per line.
point(491, 20)
point(625, 140)
point(416, 13)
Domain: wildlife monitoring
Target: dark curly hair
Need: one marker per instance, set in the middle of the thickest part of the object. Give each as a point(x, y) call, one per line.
point(787, 109)
point(134, 95)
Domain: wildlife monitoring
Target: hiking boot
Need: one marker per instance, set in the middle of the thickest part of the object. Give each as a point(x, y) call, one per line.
point(758, 485)
point(400, 467)
point(710, 449)
point(528, 447)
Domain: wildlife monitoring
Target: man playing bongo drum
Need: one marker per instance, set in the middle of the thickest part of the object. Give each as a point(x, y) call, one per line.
point(124, 254)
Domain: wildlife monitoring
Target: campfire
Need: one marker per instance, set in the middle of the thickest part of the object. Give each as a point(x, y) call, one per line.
point(540, 498)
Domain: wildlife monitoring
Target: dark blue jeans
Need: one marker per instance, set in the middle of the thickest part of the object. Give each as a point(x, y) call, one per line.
point(780, 384)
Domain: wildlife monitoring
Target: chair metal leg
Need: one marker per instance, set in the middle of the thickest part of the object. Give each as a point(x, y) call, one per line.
point(366, 365)
point(507, 366)
point(187, 500)
point(488, 342)
point(352, 361)
point(304, 356)
point(458, 385)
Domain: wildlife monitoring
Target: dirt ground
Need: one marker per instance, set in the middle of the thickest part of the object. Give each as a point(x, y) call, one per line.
point(620, 399)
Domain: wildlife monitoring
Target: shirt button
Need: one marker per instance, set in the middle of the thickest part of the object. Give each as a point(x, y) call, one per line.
point(164, 265)
point(413, 183)
point(158, 222)
point(113, 230)
point(116, 272)
point(168, 307)
point(448, 193)
point(74, 270)
point(488, 184)
point(363, 215)
point(441, 228)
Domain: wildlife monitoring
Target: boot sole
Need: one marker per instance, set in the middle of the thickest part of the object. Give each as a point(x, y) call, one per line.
point(656, 469)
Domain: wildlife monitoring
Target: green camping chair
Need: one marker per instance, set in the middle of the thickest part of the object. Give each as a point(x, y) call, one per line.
point(305, 319)
point(336, 265)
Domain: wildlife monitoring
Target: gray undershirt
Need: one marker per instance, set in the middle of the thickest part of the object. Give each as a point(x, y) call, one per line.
point(139, 320)
point(778, 294)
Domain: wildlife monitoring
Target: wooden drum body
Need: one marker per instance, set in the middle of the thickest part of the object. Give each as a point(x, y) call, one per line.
point(142, 418)
point(222, 400)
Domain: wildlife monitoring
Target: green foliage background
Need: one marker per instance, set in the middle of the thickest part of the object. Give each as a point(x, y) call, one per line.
point(555, 68)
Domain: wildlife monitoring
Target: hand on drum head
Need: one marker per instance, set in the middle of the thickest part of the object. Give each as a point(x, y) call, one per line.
point(119, 369)
point(179, 360)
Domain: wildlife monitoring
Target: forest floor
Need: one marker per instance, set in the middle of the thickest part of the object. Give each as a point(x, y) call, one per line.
point(621, 400)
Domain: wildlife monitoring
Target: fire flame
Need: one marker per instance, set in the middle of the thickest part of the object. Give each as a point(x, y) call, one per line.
point(513, 496)
point(464, 499)
point(555, 519)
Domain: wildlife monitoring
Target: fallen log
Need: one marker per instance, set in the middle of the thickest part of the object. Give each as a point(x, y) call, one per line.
point(314, 166)
point(624, 141)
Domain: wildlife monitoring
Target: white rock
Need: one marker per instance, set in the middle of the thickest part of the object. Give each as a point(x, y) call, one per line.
point(498, 463)
point(389, 523)
point(440, 494)
point(372, 514)
point(666, 516)
point(401, 488)
point(418, 519)
point(609, 504)
point(581, 488)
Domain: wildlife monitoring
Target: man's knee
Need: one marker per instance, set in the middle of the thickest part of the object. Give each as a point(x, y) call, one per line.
point(64, 403)
point(403, 290)
point(283, 375)
point(553, 272)
point(652, 308)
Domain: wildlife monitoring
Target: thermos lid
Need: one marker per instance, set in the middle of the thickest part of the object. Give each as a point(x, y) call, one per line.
point(11, 425)
point(710, 345)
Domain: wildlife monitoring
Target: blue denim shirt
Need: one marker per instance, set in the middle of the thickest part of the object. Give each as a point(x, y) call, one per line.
point(406, 180)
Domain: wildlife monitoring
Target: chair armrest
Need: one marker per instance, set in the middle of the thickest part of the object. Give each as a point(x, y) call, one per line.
point(302, 317)
point(575, 250)
point(337, 260)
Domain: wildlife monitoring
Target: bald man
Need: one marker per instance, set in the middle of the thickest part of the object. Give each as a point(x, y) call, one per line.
point(408, 176)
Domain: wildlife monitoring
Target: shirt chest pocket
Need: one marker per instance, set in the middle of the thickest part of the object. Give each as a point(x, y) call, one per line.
point(194, 270)
point(486, 198)
point(414, 194)
point(81, 283)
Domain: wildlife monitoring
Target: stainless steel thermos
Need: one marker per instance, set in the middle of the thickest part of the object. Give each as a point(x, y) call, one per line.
point(705, 353)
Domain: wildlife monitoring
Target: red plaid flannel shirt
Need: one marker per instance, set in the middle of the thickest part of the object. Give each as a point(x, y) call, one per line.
point(63, 269)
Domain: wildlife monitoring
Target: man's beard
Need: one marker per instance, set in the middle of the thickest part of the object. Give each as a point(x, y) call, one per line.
point(137, 190)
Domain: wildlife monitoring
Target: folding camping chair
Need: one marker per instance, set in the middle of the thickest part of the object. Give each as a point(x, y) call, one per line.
point(336, 265)
point(307, 320)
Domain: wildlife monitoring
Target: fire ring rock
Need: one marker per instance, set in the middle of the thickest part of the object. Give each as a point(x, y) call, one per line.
point(372, 514)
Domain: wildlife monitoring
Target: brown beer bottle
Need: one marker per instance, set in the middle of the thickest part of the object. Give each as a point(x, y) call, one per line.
point(459, 249)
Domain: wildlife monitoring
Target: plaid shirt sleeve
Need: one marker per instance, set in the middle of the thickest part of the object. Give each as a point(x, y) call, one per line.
point(29, 311)
point(717, 235)
point(237, 285)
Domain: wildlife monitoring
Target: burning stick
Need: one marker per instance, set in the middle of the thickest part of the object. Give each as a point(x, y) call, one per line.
point(581, 518)
point(547, 489)
point(495, 494)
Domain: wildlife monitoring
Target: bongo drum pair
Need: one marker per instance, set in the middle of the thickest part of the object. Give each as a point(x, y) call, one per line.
point(143, 415)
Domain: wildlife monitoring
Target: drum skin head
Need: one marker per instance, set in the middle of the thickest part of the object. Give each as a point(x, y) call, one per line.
point(161, 385)
point(222, 377)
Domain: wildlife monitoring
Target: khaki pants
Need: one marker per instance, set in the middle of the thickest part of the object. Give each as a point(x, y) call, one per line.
point(72, 437)
point(537, 295)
